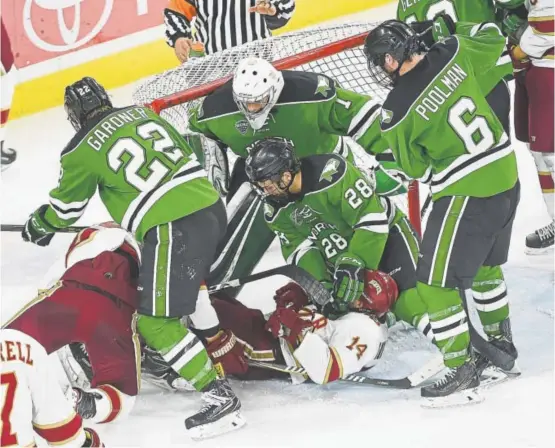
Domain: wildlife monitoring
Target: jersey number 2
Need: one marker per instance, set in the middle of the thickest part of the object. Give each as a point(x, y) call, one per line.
point(162, 143)
point(7, 438)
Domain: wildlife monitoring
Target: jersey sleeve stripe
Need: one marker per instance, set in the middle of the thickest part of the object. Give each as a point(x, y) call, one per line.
point(61, 432)
point(373, 226)
point(364, 118)
point(68, 206)
point(299, 252)
point(114, 397)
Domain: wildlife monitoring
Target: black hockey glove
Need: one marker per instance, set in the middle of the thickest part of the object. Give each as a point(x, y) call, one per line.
point(85, 402)
point(37, 230)
point(431, 31)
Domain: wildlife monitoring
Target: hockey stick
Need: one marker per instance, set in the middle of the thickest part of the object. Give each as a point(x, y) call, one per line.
point(20, 227)
point(497, 356)
point(428, 370)
point(315, 290)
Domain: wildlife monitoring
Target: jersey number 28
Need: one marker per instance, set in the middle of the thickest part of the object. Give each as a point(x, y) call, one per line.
point(157, 170)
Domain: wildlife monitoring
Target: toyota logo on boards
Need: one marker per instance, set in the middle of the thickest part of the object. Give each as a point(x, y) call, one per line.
point(78, 22)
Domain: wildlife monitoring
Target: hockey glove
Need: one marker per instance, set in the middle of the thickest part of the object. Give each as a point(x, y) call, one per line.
point(92, 439)
point(291, 296)
point(287, 323)
point(227, 354)
point(84, 403)
point(348, 283)
point(513, 27)
point(443, 26)
point(37, 230)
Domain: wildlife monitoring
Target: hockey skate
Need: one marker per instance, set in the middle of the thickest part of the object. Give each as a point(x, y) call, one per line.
point(541, 240)
point(455, 389)
point(155, 370)
point(219, 414)
point(504, 342)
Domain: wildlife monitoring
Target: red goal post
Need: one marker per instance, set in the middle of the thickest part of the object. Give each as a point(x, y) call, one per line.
point(333, 50)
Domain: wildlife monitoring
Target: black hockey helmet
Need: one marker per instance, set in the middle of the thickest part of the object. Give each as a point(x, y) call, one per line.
point(83, 99)
point(269, 158)
point(394, 38)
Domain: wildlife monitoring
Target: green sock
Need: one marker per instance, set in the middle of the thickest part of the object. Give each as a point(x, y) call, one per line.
point(449, 322)
point(490, 296)
point(179, 347)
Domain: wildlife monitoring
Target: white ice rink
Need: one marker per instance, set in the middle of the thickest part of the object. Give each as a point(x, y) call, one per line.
point(515, 414)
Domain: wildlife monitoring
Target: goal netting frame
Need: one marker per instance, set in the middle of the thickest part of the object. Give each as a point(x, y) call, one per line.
point(335, 50)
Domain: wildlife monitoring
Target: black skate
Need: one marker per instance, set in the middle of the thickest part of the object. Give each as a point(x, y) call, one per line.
point(155, 370)
point(504, 342)
point(457, 379)
point(541, 240)
point(8, 156)
point(219, 414)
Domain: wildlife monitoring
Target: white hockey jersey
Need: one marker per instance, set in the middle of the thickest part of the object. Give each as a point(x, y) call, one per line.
point(537, 40)
point(337, 348)
point(31, 398)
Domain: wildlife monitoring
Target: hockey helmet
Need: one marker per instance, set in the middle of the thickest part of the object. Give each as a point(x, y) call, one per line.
point(268, 160)
point(82, 99)
point(393, 38)
point(257, 86)
point(380, 293)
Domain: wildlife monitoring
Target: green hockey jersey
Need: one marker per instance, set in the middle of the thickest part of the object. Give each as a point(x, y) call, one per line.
point(141, 167)
point(336, 212)
point(312, 111)
point(440, 126)
point(469, 11)
point(476, 11)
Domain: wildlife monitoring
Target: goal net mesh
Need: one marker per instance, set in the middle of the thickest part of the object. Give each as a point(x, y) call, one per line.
point(334, 50)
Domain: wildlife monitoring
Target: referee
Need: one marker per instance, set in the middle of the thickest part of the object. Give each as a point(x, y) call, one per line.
point(222, 24)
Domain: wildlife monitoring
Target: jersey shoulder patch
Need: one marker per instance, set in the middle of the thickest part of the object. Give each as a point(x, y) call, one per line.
point(303, 87)
point(322, 171)
point(409, 87)
point(219, 102)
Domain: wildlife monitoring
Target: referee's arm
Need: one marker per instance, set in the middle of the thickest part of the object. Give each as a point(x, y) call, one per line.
point(177, 19)
point(276, 12)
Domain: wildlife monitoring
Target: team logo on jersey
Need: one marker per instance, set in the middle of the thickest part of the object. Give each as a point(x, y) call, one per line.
point(304, 215)
point(242, 126)
point(387, 116)
point(329, 170)
point(268, 209)
point(323, 86)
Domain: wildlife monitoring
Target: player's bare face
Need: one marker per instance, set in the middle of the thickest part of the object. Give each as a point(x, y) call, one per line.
point(254, 108)
point(273, 188)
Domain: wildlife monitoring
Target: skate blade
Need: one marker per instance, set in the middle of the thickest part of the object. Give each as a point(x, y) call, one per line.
point(224, 425)
point(462, 398)
point(539, 251)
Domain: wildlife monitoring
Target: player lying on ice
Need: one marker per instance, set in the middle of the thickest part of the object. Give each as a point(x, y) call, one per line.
point(150, 183)
point(92, 300)
point(311, 110)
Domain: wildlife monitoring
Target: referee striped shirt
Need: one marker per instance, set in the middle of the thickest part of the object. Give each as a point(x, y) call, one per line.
point(222, 24)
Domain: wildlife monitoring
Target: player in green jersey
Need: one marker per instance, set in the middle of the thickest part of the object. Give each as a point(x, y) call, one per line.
point(330, 222)
point(420, 14)
point(151, 184)
point(472, 174)
point(310, 109)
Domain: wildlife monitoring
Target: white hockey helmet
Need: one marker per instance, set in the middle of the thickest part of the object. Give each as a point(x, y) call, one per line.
point(256, 89)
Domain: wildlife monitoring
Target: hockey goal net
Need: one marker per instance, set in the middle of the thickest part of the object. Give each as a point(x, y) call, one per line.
point(333, 50)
